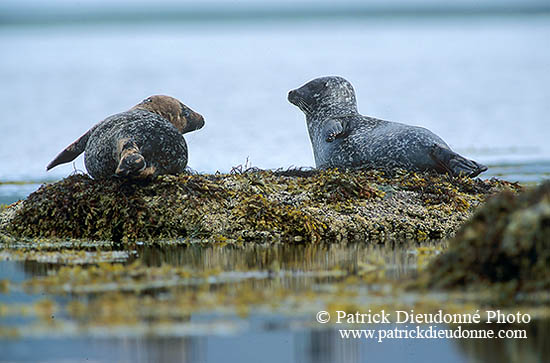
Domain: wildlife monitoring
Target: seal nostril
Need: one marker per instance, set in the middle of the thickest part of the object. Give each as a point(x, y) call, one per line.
point(291, 95)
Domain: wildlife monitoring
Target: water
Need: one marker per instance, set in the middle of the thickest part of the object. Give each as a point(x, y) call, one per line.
point(172, 323)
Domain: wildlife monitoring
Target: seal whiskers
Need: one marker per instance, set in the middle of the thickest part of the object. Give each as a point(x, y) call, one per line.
point(304, 107)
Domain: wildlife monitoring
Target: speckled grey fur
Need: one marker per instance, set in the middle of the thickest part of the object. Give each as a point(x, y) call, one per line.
point(341, 137)
point(137, 143)
point(160, 143)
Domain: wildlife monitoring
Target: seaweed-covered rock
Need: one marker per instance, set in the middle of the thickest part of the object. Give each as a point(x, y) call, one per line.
point(506, 244)
point(7, 213)
point(254, 205)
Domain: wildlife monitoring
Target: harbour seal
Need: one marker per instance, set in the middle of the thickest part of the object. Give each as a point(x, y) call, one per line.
point(145, 141)
point(341, 137)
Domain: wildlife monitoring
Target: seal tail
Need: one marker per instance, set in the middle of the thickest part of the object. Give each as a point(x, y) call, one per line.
point(131, 163)
point(455, 164)
point(71, 152)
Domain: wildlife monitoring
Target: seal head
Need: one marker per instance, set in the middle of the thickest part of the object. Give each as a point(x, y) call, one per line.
point(341, 137)
point(325, 95)
point(144, 141)
point(179, 115)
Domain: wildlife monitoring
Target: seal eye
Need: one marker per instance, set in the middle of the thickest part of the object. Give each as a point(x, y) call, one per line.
point(185, 113)
point(148, 100)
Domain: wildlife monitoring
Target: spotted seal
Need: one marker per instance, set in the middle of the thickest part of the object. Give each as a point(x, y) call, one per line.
point(341, 137)
point(145, 141)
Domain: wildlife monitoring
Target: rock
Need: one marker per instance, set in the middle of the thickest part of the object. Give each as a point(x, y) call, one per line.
point(506, 243)
point(7, 214)
point(256, 205)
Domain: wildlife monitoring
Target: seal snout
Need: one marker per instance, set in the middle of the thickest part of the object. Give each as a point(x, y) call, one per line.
point(291, 95)
point(194, 121)
point(199, 121)
point(294, 96)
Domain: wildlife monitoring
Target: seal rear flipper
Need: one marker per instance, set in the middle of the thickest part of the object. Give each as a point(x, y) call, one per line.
point(131, 163)
point(71, 152)
point(455, 164)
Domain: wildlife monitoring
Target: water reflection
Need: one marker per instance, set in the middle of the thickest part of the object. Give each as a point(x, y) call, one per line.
point(282, 286)
point(155, 349)
point(534, 349)
point(293, 257)
point(326, 346)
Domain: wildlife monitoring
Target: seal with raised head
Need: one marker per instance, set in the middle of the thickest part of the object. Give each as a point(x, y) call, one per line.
point(342, 137)
point(145, 141)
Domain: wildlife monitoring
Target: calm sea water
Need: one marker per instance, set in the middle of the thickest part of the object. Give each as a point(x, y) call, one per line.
point(480, 83)
point(286, 331)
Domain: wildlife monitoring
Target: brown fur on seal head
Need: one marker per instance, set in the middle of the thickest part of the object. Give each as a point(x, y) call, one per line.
point(144, 141)
point(179, 115)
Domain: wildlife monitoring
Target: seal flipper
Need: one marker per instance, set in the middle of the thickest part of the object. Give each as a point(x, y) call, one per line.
point(71, 152)
point(455, 164)
point(131, 162)
point(332, 130)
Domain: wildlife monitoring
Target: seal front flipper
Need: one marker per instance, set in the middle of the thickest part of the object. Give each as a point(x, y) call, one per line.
point(332, 130)
point(71, 152)
point(455, 164)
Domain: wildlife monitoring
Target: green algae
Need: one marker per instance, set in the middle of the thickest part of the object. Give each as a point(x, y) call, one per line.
point(505, 248)
point(253, 205)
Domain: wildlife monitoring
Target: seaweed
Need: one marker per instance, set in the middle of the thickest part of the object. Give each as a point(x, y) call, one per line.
point(253, 205)
point(505, 245)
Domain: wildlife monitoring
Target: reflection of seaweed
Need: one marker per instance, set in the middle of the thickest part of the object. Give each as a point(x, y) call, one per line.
point(163, 287)
point(251, 204)
point(507, 242)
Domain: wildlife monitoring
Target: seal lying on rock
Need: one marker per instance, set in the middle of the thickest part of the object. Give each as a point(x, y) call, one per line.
point(144, 141)
point(341, 137)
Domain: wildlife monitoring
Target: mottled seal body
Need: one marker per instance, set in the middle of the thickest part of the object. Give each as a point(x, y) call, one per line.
point(341, 137)
point(145, 141)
